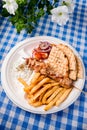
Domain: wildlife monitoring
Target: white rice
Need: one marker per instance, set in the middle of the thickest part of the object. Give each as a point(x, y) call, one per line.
point(23, 73)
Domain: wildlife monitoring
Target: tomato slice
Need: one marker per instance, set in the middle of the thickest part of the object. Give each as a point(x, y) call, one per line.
point(36, 55)
point(44, 55)
point(39, 55)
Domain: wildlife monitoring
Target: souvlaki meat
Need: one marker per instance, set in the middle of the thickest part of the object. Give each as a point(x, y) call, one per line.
point(45, 69)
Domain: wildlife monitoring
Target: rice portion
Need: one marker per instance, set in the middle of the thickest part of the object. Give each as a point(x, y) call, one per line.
point(19, 69)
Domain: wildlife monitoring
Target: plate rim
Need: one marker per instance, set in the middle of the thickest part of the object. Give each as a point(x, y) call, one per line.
point(18, 45)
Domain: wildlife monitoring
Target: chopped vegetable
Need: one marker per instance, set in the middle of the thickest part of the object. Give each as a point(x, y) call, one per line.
point(42, 51)
point(44, 45)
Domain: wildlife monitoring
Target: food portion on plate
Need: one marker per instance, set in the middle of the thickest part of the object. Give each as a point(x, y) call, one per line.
point(42, 51)
point(55, 67)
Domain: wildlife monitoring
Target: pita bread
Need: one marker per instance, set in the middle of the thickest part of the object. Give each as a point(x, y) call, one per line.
point(72, 60)
point(79, 68)
point(58, 62)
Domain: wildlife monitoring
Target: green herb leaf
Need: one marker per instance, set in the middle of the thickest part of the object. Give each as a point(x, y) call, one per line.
point(20, 25)
point(4, 12)
point(21, 2)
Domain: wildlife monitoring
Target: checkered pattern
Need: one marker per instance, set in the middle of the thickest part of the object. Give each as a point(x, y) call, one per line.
point(74, 32)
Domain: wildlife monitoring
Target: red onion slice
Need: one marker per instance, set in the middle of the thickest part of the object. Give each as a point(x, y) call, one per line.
point(45, 50)
point(44, 45)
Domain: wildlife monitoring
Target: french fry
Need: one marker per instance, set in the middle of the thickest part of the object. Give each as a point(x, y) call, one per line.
point(54, 95)
point(51, 104)
point(41, 97)
point(51, 81)
point(40, 84)
point(26, 89)
point(35, 104)
point(30, 96)
point(26, 86)
point(21, 80)
point(44, 91)
point(40, 78)
point(64, 96)
point(45, 87)
point(35, 77)
point(34, 80)
point(48, 94)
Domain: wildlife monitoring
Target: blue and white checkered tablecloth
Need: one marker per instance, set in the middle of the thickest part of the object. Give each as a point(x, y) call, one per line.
point(74, 32)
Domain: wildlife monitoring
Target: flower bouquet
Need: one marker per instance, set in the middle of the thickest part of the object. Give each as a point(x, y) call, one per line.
point(24, 14)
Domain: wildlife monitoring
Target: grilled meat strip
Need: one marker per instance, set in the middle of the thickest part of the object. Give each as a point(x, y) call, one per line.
point(45, 69)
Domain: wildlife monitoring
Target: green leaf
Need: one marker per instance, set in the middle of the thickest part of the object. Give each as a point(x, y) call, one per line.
point(4, 12)
point(14, 19)
point(40, 13)
point(21, 2)
point(20, 25)
point(41, 4)
point(33, 3)
point(49, 6)
point(55, 1)
point(29, 28)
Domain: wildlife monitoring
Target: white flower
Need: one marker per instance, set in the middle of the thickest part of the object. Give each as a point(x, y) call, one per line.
point(60, 15)
point(69, 4)
point(11, 6)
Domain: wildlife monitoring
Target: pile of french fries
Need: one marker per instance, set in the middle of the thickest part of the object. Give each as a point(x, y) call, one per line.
point(43, 90)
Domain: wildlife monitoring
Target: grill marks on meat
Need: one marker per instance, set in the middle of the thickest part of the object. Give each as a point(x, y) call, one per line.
point(38, 66)
point(45, 69)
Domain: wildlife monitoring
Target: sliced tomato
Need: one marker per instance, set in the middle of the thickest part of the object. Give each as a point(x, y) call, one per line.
point(39, 55)
point(44, 55)
point(36, 55)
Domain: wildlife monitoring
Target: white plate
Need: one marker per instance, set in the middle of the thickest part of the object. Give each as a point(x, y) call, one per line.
point(15, 92)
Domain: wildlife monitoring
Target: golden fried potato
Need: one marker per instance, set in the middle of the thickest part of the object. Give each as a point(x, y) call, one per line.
point(35, 104)
point(48, 94)
point(34, 80)
point(21, 80)
point(35, 77)
point(40, 84)
point(54, 94)
point(64, 96)
point(42, 90)
point(53, 101)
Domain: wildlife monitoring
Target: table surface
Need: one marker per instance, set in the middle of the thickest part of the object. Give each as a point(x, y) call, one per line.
point(75, 33)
